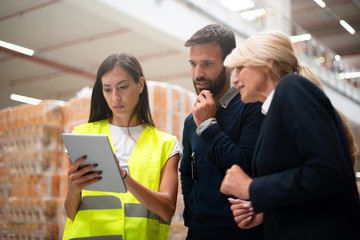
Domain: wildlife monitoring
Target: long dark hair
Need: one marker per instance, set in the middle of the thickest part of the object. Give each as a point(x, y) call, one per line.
point(100, 110)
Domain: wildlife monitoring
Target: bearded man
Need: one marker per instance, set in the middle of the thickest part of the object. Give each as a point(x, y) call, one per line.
point(220, 131)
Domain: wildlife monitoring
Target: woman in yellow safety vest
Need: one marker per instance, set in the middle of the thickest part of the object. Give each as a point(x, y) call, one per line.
point(148, 158)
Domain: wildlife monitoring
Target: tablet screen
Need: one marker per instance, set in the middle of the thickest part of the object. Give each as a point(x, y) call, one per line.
point(98, 150)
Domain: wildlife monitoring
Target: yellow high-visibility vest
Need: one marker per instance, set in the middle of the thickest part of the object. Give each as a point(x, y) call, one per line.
point(110, 215)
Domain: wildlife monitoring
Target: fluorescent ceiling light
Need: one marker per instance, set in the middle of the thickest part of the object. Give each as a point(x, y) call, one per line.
point(253, 14)
point(337, 57)
point(24, 99)
point(300, 38)
point(347, 26)
point(17, 48)
point(357, 174)
point(236, 5)
point(320, 3)
point(349, 75)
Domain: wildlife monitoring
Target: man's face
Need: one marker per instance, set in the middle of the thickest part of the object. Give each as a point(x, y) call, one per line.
point(207, 70)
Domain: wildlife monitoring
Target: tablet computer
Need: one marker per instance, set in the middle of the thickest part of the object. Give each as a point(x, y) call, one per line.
point(98, 150)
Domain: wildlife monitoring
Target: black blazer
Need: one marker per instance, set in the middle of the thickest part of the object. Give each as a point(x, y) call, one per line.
point(304, 179)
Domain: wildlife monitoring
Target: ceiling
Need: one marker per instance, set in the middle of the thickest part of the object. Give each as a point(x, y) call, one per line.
point(323, 24)
point(70, 42)
point(71, 39)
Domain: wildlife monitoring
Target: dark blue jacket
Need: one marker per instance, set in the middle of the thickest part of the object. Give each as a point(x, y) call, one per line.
point(305, 182)
point(221, 145)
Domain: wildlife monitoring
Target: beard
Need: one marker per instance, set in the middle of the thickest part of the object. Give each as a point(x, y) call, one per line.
point(215, 86)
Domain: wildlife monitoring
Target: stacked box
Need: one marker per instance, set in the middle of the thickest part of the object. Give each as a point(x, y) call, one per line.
point(30, 153)
point(46, 112)
point(4, 119)
point(76, 112)
point(170, 104)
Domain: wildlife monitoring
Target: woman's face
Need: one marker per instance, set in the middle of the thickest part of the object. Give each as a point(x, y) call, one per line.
point(122, 95)
point(252, 83)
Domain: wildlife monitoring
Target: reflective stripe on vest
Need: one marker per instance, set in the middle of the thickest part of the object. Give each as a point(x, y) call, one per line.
point(100, 202)
point(111, 202)
point(138, 210)
point(114, 237)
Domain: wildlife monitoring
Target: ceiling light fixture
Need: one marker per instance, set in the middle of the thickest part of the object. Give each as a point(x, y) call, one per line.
point(337, 57)
point(349, 75)
point(24, 99)
point(17, 48)
point(347, 27)
point(236, 5)
point(320, 3)
point(300, 38)
point(253, 14)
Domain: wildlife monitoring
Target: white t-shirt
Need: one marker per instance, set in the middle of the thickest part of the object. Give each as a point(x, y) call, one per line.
point(124, 142)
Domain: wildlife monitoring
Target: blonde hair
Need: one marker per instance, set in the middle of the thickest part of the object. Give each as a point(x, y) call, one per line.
point(352, 145)
point(268, 45)
point(264, 46)
point(307, 73)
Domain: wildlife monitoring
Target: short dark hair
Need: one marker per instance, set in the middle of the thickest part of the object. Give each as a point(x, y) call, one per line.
point(99, 109)
point(218, 33)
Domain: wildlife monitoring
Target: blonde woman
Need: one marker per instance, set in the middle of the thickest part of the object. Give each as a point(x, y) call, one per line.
point(304, 179)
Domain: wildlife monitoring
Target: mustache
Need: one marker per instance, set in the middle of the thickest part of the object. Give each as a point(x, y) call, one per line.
point(201, 80)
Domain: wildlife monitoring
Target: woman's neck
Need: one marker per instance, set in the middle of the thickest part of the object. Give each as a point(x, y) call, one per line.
point(269, 88)
point(134, 121)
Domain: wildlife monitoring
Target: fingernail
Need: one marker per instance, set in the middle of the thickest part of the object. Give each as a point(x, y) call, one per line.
point(251, 213)
point(84, 157)
point(249, 218)
point(251, 209)
point(95, 165)
point(99, 178)
point(246, 205)
point(99, 172)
